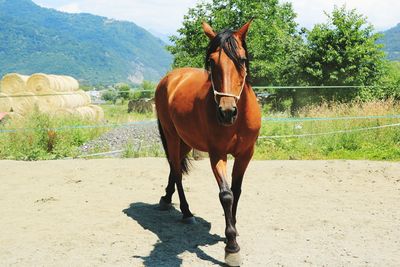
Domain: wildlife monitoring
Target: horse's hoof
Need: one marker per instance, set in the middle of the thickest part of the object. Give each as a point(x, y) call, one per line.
point(189, 220)
point(233, 259)
point(163, 205)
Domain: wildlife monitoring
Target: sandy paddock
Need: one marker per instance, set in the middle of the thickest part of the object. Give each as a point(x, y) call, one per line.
point(292, 213)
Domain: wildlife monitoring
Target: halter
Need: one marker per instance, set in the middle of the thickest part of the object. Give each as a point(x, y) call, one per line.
point(216, 93)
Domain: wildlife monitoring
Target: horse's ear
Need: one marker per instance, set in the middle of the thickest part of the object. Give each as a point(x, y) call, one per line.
point(242, 32)
point(208, 30)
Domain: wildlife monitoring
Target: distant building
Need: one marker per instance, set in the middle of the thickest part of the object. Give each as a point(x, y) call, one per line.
point(95, 96)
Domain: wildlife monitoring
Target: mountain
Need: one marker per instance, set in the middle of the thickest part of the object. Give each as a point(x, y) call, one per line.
point(391, 40)
point(94, 49)
point(164, 37)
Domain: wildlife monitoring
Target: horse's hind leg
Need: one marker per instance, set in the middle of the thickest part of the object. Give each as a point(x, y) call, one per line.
point(165, 201)
point(177, 153)
point(187, 214)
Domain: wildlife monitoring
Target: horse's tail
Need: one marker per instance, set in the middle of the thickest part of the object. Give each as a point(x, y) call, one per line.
point(185, 163)
point(163, 140)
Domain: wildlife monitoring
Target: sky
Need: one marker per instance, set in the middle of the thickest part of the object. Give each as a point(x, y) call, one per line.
point(166, 16)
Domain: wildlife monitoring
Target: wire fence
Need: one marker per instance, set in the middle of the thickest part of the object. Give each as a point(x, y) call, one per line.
point(264, 119)
point(133, 91)
point(135, 123)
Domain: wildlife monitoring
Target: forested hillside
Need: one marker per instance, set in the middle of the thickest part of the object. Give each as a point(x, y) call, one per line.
point(391, 40)
point(91, 48)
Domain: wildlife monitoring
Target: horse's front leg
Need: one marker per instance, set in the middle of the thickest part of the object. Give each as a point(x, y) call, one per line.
point(218, 164)
point(239, 168)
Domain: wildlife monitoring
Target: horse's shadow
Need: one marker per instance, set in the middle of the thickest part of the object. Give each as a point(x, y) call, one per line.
point(174, 236)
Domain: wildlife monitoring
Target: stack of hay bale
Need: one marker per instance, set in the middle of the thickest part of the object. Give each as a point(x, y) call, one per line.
point(51, 94)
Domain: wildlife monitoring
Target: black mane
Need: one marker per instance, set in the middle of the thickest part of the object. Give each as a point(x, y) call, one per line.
point(226, 41)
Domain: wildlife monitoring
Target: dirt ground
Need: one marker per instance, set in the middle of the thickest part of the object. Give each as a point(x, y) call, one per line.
point(292, 213)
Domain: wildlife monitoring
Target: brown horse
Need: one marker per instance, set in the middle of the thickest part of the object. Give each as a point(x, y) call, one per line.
point(215, 111)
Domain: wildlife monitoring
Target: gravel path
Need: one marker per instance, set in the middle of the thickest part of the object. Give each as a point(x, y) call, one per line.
point(138, 136)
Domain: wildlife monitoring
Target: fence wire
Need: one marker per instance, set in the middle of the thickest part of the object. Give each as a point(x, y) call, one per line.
point(135, 123)
point(3, 130)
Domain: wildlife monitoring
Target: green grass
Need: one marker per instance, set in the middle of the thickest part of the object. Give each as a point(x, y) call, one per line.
point(46, 138)
point(119, 114)
point(376, 144)
point(39, 143)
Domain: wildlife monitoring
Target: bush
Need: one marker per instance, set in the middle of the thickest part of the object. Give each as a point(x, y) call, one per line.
point(110, 95)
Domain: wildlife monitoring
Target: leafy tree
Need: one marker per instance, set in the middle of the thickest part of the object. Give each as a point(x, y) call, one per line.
point(124, 91)
point(146, 90)
point(273, 40)
point(342, 51)
point(388, 86)
point(110, 95)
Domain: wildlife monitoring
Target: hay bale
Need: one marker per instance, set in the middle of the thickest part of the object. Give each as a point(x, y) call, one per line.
point(76, 99)
point(5, 103)
point(23, 103)
point(86, 113)
point(98, 111)
point(141, 106)
point(64, 112)
point(49, 104)
point(85, 96)
point(15, 116)
point(71, 84)
point(40, 83)
point(13, 84)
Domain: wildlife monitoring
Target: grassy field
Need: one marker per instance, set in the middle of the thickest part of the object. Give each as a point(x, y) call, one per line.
point(43, 137)
point(331, 137)
point(334, 137)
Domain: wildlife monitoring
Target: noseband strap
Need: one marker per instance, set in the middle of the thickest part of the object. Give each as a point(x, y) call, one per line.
point(216, 93)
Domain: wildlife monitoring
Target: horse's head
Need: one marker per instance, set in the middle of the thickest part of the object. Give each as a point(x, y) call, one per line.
point(227, 61)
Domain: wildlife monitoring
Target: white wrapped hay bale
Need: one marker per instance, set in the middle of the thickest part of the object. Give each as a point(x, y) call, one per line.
point(40, 83)
point(13, 84)
point(5, 103)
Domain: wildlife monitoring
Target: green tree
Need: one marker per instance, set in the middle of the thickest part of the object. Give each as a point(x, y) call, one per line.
point(344, 52)
point(273, 40)
point(145, 90)
point(124, 91)
point(388, 86)
point(110, 95)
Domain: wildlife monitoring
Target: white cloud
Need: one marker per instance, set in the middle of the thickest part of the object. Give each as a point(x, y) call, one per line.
point(166, 16)
point(383, 14)
point(70, 8)
point(160, 15)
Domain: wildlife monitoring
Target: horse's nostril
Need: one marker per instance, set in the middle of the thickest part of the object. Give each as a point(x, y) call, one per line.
point(235, 111)
point(221, 112)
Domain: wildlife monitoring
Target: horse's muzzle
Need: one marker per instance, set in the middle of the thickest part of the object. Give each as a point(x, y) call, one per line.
point(227, 116)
